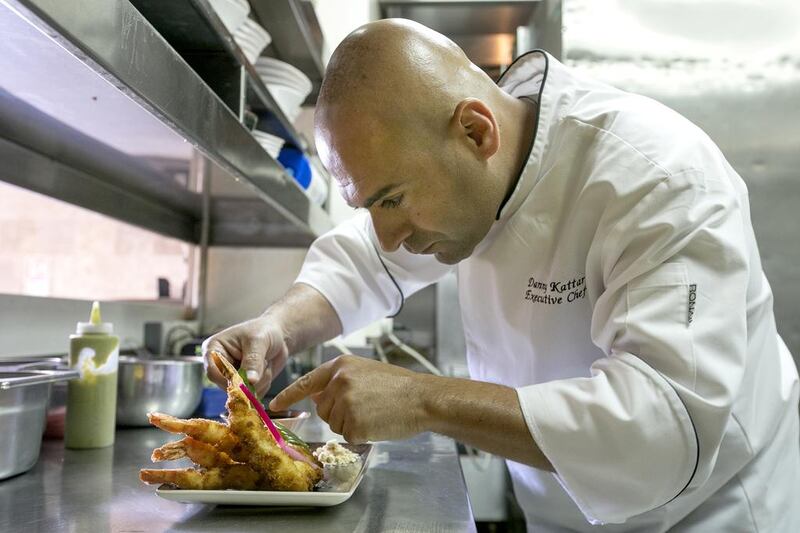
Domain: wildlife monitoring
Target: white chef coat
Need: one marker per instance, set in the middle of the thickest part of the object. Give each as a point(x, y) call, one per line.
point(621, 293)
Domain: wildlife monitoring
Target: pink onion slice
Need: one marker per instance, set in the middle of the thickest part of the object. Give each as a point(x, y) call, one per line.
point(294, 454)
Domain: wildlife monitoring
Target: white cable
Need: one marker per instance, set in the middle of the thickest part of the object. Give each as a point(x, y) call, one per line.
point(379, 350)
point(339, 345)
point(415, 354)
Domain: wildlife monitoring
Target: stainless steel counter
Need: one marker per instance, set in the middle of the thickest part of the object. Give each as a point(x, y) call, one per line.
point(413, 485)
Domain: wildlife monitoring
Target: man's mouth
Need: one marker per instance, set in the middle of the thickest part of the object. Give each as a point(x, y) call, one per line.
point(424, 251)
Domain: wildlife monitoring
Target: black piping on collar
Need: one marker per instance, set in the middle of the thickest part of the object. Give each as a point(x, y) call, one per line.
point(397, 285)
point(513, 188)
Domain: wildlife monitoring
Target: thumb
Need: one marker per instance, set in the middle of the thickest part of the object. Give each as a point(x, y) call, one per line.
point(254, 352)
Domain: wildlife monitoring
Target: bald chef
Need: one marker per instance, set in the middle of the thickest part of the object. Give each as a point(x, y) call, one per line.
point(619, 328)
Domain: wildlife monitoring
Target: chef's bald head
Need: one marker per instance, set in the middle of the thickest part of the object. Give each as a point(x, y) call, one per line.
point(411, 130)
point(395, 81)
point(381, 54)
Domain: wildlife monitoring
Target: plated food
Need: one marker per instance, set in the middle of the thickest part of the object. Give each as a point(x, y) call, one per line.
point(240, 454)
point(334, 454)
point(338, 485)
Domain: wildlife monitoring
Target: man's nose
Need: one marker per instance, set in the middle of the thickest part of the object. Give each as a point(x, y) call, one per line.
point(391, 231)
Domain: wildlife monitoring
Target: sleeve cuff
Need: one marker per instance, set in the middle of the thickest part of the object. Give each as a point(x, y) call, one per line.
point(621, 442)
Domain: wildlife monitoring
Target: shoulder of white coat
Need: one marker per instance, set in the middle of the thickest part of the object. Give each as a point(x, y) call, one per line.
point(359, 223)
point(642, 141)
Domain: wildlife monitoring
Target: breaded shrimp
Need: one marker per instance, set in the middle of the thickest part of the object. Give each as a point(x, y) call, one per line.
point(200, 453)
point(236, 476)
point(241, 454)
point(257, 444)
point(214, 433)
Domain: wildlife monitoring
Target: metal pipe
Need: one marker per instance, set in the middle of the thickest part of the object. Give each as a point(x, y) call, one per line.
point(204, 173)
point(414, 354)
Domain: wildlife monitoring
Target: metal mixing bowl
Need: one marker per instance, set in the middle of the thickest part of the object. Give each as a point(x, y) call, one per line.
point(23, 405)
point(167, 385)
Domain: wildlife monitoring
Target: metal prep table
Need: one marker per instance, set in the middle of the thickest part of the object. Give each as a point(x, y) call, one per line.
point(413, 485)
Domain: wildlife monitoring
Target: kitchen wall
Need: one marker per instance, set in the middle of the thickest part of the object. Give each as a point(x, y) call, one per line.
point(42, 326)
point(733, 68)
point(243, 282)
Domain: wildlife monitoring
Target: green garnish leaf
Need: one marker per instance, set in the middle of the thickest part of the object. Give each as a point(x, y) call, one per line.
point(243, 375)
point(291, 438)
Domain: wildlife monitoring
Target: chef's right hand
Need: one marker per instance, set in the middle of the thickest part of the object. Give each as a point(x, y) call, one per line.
point(258, 346)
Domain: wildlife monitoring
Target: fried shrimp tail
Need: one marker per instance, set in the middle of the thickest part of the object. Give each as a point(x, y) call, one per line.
point(215, 433)
point(200, 453)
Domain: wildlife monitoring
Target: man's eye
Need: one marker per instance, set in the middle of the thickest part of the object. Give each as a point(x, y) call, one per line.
point(389, 203)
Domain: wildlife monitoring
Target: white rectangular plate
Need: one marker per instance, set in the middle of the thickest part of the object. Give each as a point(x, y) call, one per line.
point(337, 486)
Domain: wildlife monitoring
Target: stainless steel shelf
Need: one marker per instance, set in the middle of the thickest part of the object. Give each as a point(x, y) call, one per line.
point(48, 157)
point(108, 60)
point(296, 36)
point(194, 30)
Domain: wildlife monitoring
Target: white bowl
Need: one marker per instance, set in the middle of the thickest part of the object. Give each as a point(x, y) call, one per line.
point(252, 39)
point(276, 70)
point(291, 420)
point(284, 78)
point(231, 12)
point(270, 143)
point(289, 99)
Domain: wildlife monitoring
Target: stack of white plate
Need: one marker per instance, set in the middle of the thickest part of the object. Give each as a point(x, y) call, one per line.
point(231, 12)
point(252, 39)
point(288, 85)
point(271, 143)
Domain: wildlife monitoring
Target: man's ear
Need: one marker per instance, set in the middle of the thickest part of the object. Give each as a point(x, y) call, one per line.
point(475, 122)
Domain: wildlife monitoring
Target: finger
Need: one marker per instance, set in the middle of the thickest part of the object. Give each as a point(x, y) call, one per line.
point(336, 419)
point(325, 404)
point(266, 380)
point(213, 345)
point(216, 378)
point(314, 381)
point(349, 434)
point(272, 368)
point(254, 353)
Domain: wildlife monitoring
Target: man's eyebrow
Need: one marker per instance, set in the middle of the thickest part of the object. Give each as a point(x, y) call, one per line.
point(378, 195)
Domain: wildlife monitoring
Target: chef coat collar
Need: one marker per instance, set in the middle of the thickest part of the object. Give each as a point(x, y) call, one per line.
point(535, 75)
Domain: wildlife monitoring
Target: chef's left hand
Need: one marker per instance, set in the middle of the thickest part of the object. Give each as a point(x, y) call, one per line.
point(361, 399)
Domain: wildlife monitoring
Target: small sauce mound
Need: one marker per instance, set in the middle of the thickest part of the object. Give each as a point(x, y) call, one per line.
point(334, 454)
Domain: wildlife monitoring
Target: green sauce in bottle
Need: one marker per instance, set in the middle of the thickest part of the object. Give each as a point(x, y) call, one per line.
point(92, 399)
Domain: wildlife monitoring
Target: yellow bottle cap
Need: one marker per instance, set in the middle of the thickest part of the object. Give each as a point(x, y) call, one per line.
point(95, 324)
point(94, 317)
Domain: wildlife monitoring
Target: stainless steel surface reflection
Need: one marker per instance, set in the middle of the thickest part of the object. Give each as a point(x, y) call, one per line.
point(413, 485)
point(172, 386)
